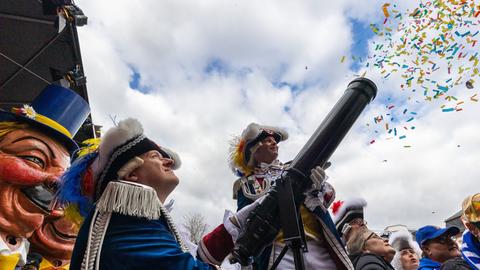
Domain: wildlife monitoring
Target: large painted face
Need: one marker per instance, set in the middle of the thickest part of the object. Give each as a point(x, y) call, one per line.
point(55, 240)
point(30, 165)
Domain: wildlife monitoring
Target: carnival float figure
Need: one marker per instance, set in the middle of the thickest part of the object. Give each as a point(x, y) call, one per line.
point(36, 142)
point(53, 243)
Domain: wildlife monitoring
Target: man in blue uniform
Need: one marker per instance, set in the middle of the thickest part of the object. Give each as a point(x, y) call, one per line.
point(128, 227)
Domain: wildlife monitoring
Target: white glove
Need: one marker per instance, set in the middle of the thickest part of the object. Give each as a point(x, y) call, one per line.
point(235, 223)
point(317, 176)
point(321, 194)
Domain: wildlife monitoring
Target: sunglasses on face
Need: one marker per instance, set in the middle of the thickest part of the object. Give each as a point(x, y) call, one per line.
point(443, 239)
point(373, 236)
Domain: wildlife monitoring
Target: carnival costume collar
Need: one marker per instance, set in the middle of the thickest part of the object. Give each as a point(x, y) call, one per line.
point(125, 198)
point(264, 175)
point(265, 167)
point(131, 199)
point(137, 200)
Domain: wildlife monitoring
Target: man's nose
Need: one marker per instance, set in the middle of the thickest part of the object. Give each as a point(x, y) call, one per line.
point(168, 162)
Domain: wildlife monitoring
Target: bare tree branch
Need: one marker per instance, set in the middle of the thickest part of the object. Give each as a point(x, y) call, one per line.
point(196, 225)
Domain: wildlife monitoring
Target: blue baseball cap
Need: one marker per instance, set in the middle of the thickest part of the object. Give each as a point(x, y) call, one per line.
point(431, 232)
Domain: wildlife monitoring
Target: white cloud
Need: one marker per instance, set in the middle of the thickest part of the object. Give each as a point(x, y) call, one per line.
point(259, 43)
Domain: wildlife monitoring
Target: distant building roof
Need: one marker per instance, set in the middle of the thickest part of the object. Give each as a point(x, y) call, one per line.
point(455, 220)
point(396, 227)
point(454, 216)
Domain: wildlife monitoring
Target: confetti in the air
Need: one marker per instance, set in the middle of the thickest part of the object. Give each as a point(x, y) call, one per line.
point(433, 51)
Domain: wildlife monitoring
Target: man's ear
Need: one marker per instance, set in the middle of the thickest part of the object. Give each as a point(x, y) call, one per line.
point(425, 250)
point(131, 166)
point(132, 176)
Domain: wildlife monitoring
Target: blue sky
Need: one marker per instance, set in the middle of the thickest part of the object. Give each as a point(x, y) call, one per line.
point(136, 81)
point(362, 33)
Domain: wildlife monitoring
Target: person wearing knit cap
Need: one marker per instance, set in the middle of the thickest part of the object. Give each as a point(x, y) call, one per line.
point(471, 236)
point(254, 156)
point(120, 190)
point(348, 216)
point(369, 251)
point(407, 253)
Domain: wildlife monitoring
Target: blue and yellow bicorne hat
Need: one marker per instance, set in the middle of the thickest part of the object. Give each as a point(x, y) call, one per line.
point(57, 111)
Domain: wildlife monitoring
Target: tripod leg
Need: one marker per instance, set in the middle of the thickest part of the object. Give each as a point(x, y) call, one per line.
point(298, 257)
point(279, 258)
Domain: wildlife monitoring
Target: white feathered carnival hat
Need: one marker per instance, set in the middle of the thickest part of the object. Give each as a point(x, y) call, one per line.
point(401, 240)
point(346, 211)
point(119, 150)
point(243, 147)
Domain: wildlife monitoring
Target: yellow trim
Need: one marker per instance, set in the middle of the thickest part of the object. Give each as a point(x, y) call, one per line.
point(310, 224)
point(53, 124)
point(29, 112)
point(8, 262)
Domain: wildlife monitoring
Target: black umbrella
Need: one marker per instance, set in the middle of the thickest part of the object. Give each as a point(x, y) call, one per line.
point(38, 46)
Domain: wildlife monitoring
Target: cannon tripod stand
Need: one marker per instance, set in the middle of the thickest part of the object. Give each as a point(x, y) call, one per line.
point(292, 225)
